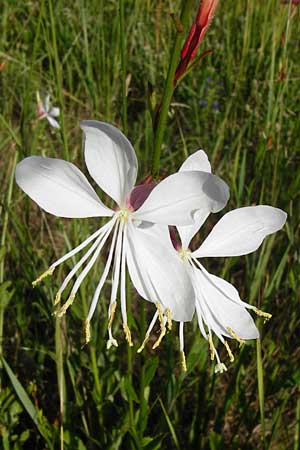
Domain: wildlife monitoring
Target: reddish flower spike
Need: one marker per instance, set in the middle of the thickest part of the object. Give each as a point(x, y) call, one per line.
point(203, 19)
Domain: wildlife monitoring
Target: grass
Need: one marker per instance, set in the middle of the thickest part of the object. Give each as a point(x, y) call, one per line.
point(241, 105)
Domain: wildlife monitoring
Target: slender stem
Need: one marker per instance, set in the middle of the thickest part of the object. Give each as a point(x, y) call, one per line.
point(57, 64)
point(260, 377)
point(129, 355)
point(169, 88)
point(2, 244)
point(59, 349)
point(123, 65)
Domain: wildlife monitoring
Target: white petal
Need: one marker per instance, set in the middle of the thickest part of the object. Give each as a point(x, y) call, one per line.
point(59, 188)
point(110, 159)
point(176, 198)
point(53, 122)
point(157, 272)
point(196, 161)
point(54, 112)
point(187, 233)
point(221, 312)
point(242, 231)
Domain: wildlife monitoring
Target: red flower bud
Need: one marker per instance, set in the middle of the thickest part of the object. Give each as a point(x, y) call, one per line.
point(203, 19)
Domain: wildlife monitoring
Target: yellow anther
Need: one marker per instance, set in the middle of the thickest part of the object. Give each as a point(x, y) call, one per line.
point(141, 348)
point(44, 275)
point(230, 354)
point(211, 348)
point(235, 336)
point(87, 331)
point(127, 334)
point(160, 337)
point(183, 361)
point(162, 326)
point(62, 311)
point(112, 314)
point(57, 299)
point(220, 368)
point(261, 313)
point(169, 319)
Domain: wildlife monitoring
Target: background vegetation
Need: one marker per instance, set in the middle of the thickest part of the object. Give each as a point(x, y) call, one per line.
point(241, 104)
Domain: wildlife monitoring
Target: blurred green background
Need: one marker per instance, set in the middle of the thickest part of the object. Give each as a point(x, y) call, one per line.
point(240, 104)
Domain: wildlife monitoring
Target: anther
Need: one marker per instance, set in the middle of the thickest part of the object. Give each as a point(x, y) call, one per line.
point(160, 337)
point(220, 368)
point(112, 314)
point(162, 326)
point(230, 354)
point(127, 334)
point(169, 319)
point(261, 313)
point(44, 275)
point(183, 361)
point(87, 331)
point(62, 311)
point(211, 348)
point(57, 299)
point(235, 336)
point(141, 348)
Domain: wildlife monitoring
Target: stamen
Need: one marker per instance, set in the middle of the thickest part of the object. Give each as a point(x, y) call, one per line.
point(127, 334)
point(92, 261)
point(235, 336)
point(87, 331)
point(162, 326)
point(231, 356)
point(62, 311)
point(77, 266)
point(141, 348)
point(103, 276)
point(261, 313)
point(43, 275)
point(220, 368)
point(211, 348)
point(169, 319)
point(112, 314)
point(147, 335)
point(183, 361)
point(83, 244)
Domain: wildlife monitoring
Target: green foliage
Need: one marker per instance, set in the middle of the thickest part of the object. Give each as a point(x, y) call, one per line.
point(241, 105)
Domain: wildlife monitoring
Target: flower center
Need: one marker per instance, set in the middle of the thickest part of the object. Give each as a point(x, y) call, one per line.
point(123, 215)
point(184, 254)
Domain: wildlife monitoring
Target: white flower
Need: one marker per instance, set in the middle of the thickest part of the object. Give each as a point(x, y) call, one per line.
point(44, 109)
point(138, 224)
point(218, 304)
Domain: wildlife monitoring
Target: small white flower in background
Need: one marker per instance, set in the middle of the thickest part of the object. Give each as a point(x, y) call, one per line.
point(138, 224)
point(217, 302)
point(44, 109)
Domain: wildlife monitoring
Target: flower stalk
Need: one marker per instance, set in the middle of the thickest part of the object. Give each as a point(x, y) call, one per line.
point(169, 89)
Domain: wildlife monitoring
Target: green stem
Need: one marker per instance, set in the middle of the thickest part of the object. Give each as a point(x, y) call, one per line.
point(123, 65)
point(3, 241)
point(169, 88)
point(57, 64)
point(59, 349)
point(260, 377)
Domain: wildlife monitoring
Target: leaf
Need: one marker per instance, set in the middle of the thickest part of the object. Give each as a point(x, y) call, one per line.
point(171, 428)
point(35, 415)
point(21, 393)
